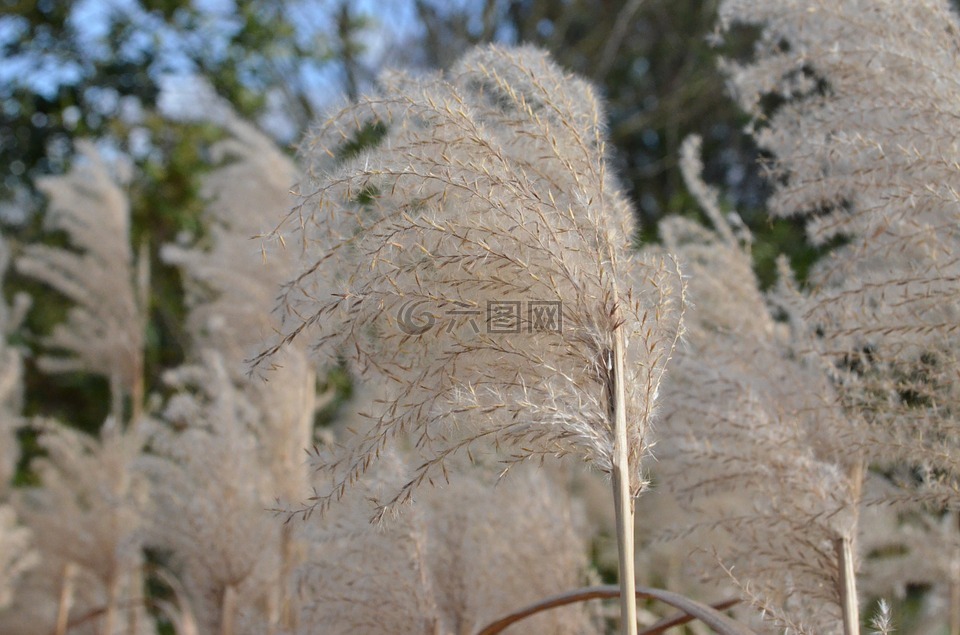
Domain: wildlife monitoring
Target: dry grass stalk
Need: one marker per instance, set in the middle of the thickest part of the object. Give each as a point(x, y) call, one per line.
point(848, 586)
point(66, 599)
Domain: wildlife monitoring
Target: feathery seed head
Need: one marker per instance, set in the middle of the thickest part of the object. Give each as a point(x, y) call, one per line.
point(476, 260)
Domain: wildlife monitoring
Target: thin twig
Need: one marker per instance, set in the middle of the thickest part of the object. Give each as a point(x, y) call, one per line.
point(612, 47)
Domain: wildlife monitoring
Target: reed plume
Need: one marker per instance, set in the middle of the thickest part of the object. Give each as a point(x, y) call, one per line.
point(230, 287)
point(463, 555)
point(856, 103)
point(755, 441)
point(11, 377)
point(104, 330)
point(234, 443)
point(86, 517)
point(17, 555)
point(859, 151)
point(212, 488)
point(476, 260)
point(87, 523)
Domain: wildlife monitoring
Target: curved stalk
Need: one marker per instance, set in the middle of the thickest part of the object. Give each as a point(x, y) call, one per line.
point(713, 618)
point(228, 610)
point(682, 618)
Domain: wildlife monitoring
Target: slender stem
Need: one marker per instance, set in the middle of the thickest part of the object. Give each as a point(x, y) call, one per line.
point(137, 607)
point(116, 400)
point(66, 599)
point(954, 607)
point(623, 507)
point(138, 389)
point(710, 616)
point(622, 498)
point(137, 392)
point(621, 27)
point(110, 614)
point(288, 616)
point(620, 478)
point(955, 580)
point(848, 586)
point(228, 610)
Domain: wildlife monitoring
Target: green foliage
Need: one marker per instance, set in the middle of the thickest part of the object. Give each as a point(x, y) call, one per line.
point(339, 385)
point(368, 136)
point(778, 236)
point(112, 94)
